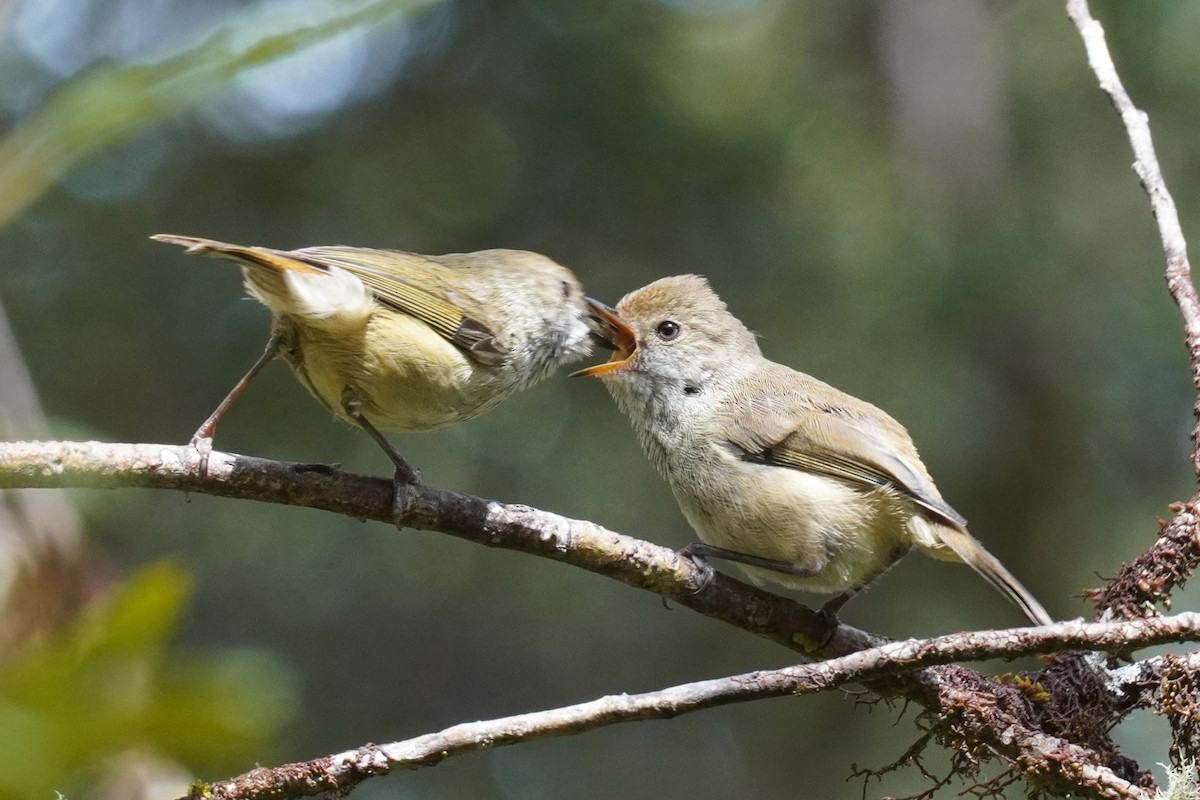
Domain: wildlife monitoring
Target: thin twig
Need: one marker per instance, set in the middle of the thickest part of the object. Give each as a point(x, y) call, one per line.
point(1137, 125)
point(344, 770)
point(1149, 579)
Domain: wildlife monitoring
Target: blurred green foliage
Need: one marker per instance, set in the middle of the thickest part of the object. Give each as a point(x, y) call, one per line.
point(113, 682)
point(112, 101)
point(927, 203)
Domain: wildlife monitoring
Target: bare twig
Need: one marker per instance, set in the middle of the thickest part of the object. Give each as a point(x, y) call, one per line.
point(1149, 579)
point(1137, 125)
point(344, 770)
point(584, 544)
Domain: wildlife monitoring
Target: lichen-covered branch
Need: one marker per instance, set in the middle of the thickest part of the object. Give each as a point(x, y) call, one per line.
point(1170, 685)
point(1056, 762)
point(1146, 581)
point(971, 728)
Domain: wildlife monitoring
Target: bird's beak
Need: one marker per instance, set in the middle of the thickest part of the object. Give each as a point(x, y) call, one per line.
point(613, 331)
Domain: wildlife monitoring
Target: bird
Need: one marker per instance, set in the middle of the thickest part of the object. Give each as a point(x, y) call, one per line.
point(399, 342)
point(803, 485)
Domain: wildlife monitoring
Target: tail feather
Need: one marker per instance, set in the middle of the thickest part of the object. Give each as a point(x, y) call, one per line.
point(968, 548)
point(261, 257)
point(329, 298)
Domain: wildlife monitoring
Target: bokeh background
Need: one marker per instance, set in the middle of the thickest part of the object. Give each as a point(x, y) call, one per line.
point(927, 203)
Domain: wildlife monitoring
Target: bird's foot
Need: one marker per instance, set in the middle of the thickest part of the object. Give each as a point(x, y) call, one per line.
point(203, 445)
point(704, 571)
point(405, 473)
point(828, 616)
point(406, 479)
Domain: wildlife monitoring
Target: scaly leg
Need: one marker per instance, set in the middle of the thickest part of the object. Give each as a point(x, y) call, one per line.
point(831, 607)
point(406, 475)
point(202, 439)
point(699, 553)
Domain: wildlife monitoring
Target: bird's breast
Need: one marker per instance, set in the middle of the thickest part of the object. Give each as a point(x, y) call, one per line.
point(409, 378)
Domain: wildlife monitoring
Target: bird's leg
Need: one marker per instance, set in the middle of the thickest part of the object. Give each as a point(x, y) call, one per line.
point(699, 553)
point(829, 610)
point(405, 474)
point(694, 552)
point(202, 439)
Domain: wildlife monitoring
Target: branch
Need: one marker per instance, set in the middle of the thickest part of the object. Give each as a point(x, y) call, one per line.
point(1149, 579)
point(41, 535)
point(997, 710)
point(344, 770)
point(1137, 125)
point(635, 562)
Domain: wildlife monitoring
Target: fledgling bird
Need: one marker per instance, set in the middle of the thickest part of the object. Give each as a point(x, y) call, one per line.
point(805, 486)
point(407, 343)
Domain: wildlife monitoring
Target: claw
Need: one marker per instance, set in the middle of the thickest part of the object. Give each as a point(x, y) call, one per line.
point(829, 619)
point(403, 482)
point(704, 570)
point(203, 445)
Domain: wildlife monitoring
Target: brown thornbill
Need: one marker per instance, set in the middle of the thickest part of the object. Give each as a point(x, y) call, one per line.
point(801, 484)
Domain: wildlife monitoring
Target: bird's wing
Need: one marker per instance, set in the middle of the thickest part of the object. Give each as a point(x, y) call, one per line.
point(427, 300)
point(843, 438)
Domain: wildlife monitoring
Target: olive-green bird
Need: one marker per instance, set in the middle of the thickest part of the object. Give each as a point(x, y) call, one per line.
point(405, 343)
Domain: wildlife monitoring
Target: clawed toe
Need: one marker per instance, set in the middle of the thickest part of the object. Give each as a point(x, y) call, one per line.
point(405, 479)
point(704, 570)
point(203, 445)
point(828, 614)
point(407, 474)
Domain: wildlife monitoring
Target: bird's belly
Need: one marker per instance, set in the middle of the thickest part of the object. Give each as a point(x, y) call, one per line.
point(405, 377)
point(798, 518)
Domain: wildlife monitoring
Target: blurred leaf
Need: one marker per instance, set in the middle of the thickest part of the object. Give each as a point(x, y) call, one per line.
point(106, 685)
point(216, 700)
point(110, 102)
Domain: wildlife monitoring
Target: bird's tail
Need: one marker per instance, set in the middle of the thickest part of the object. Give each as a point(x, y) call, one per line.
point(272, 263)
point(971, 552)
point(287, 284)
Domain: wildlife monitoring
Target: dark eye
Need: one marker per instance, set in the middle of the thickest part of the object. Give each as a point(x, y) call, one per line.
point(668, 330)
point(566, 289)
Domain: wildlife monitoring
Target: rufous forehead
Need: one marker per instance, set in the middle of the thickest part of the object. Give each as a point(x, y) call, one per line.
point(680, 294)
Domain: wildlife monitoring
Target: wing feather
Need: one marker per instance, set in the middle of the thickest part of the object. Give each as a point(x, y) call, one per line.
point(388, 275)
point(839, 437)
point(428, 301)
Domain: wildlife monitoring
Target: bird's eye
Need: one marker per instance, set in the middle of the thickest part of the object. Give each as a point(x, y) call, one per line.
point(668, 330)
point(566, 289)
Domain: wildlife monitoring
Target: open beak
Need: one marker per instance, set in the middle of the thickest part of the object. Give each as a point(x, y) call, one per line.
point(613, 331)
